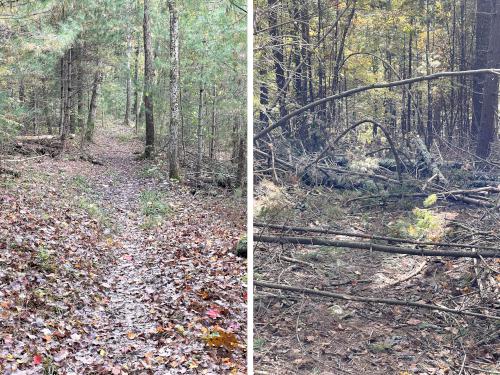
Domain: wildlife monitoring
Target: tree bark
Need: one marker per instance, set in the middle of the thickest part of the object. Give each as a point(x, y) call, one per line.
point(376, 247)
point(279, 59)
point(148, 82)
point(199, 130)
point(128, 93)
point(483, 26)
point(136, 87)
point(213, 128)
point(91, 119)
point(487, 127)
point(175, 116)
point(349, 297)
point(79, 99)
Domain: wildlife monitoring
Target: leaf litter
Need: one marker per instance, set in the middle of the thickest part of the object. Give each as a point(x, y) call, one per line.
point(86, 287)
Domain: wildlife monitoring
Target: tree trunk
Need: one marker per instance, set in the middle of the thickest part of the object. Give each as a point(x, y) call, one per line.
point(199, 132)
point(211, 149)
point(128, 93)
point(483, 26)
point(89, 131)
point(279, 60)
point(487, 127)
point(62, 93)
point(240, 172)
point(67, 101)
point(136, 87)
point(429, 131)
point(148, 83)
point(79, 106)
point(174, 169)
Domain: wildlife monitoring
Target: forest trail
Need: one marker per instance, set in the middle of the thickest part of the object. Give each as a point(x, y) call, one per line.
point(146, 274)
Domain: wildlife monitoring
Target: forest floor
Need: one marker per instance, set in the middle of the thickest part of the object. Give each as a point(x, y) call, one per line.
point(114, 269)
point(301, 334)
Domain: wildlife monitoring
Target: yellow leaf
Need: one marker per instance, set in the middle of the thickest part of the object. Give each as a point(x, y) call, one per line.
point(220, 338)
point(131, 335)
point(180, 329)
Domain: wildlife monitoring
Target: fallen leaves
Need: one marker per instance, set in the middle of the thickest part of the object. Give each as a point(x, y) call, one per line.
point(214, 313)
point(37, 359)
point(220, 338)
point(76, 289)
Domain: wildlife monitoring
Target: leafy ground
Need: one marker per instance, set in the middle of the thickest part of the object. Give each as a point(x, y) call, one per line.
point(300, 334)
point(114, 269)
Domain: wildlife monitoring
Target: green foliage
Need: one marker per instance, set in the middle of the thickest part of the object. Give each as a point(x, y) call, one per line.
point(258, 343)
point(152, 171)
point(154, 208)
point(422, 224)
point(81, 183)
point(94, 211)
point(425, 222)
point(430, 200)
point(44, 260)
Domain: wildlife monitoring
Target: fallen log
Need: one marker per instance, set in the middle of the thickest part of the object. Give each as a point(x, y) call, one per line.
point(35, 138)
point(471, 201)
point(91, 160)
point(453, 195)
point(349, 297)
point(369, 236)
point(377, 247)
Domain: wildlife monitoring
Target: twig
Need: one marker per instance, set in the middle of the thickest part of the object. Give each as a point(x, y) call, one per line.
point(463, 364)
point(412, 274)
point(293, 260)
point(349, 297)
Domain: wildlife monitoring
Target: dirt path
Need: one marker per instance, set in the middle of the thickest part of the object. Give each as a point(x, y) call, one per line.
point(158, 273)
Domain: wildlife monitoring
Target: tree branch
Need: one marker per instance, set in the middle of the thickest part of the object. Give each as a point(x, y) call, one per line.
point(344, 94)
point(349, 297)
point(376, 247)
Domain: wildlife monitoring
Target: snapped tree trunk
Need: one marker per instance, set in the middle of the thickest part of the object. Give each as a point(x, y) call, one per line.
point(148, 83)
point(175, 117)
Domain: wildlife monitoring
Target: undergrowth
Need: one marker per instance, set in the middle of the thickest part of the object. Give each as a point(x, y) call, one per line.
point(154, 208)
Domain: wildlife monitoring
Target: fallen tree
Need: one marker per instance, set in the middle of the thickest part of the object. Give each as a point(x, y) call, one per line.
point(35, 138)
point(377, 247)
point(369, 236)
point(348, 297)
point(38, 144)
point(392, 146)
